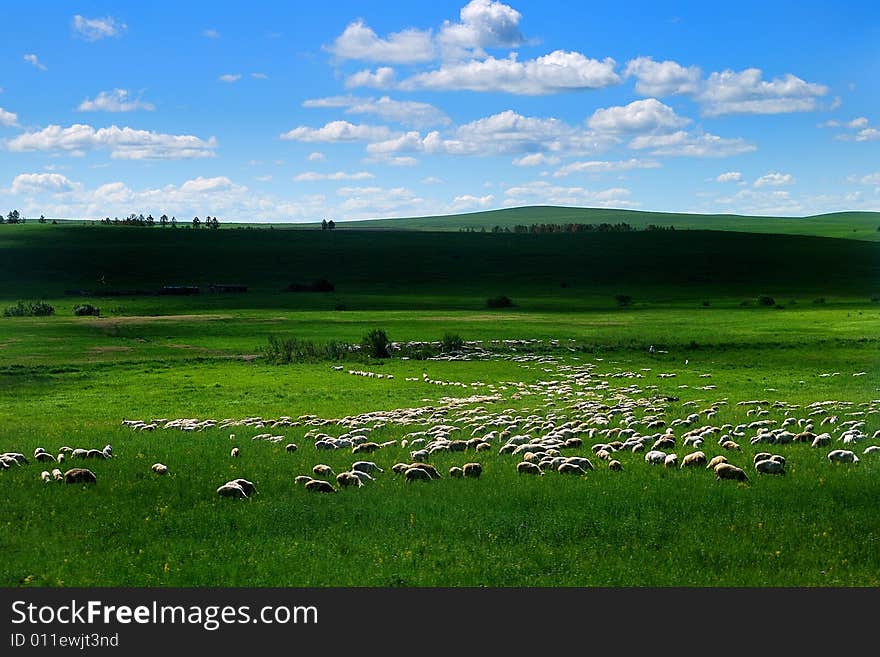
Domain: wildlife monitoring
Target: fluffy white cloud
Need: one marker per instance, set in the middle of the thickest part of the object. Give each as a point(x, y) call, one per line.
point(774, 179)
point(365, 202)
point(868, 134)
point(8, 118)
point(597, 166)
point(535, 160)
point(869, 179)
point(649, 115)
point(359, 41)
point(314, 176)
point(383, 78)
point(338, 131)
point(409, 113)
point(230, 77)
point(745, 92)
point(42, 183)
point(541, 192)
point(860, 124)
point(698, 144)
point(729, 176)
point(210, 34)
point(316, 156)
point(34, 61)
point(118, 100)
point(432, 180)
point(663, 78)
point(259, 76)
point(124, 143)
point(556, 72)
point(484, 24)
point(94, 29)
point(469, 202)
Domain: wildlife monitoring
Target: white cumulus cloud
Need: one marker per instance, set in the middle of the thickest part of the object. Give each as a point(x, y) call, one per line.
point(663, 78)
point(314, 176)
point(94, 29)
point(34, 61)
point(359, 41)
point(408, 113)
point(649, 115)
point(118, 100)
point(774, 179)
point(230, 77)
point(338, 131)
point(42, 183)
point(746, 92)
point(598, 166)
point(382, 78)
point(729, 176)
point(484, 24)
point(692, 144)
point(8, 118)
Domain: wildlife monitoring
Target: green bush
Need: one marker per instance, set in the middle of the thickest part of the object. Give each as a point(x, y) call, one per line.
point(86, 309)
point(375, 344)
point(766, 301)
point(623, 299)
point(499, 302)
point(29, 309)
point(283, 351)
point(451, 342)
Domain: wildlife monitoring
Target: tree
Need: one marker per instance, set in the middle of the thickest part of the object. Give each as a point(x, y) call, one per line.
point(163, 220)
point(324, 224)
point(331, 225)
point(196, 222)
point(150, 220)
point(214, 223)
point(174, 222)
point(42, 219)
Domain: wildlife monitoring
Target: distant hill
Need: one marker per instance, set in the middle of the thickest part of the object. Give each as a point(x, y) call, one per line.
point(851, 225)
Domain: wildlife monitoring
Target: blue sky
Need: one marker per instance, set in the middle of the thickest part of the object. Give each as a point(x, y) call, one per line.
point(278, 111)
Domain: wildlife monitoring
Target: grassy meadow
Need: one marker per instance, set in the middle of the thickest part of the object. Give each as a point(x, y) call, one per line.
point(67, 380)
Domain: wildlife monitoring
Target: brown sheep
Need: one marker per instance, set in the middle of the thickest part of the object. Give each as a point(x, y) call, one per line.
point(473, 470)
point(416, 474)
point(427, 467)
point(367, 448)
point(731, 446)
point(693, 459)
point(664, 442)
point(804, 437)
point(80, 476)
point(346, 479)
point(323, 470)
point(729, 471)
point(320, 486)
point(528, 468)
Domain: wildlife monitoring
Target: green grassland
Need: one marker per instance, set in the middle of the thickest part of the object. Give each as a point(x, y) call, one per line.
point(850, 225)
point(68, 380)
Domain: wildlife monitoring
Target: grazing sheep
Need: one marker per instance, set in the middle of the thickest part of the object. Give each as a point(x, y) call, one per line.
point(871, 450)
point(427, 467)
point(399, 468)
point(473, 470)
point(664, 442)
point(761, 456)
point(320, 486)
point(821, 440)
point(38, 450)
point(570, 468)
point(80, 476)
point(232, 490)
point(456, 472)
point(45, 476)
point(416, 474)
point(671, 461)
point(716, 461)
point(345, 479)
point(615, 465)
point(57, 475)
point(603, 455)
point(729, 471)
point(420, 455)
point(235, 452)
point(769, 466)
point(581, 462)
point(804, 437)
point(301, 480)
point(778, 458)
point(363, 476)
point(44, 457)
point(655, 457)
point(365, 448)
point(528, 468)
point(693, 459)
point(159, 468)
point(79, 453)
point(483, 447)
point(290, 447)
point(247, 486)
point(842, 456)
point(323, 470)
point(366, 466)
point(18, 459)
point(731, 446)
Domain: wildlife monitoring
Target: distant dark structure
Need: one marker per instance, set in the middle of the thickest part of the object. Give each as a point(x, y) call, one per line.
point(225, 288)
point(320, 285)
point(179, 290)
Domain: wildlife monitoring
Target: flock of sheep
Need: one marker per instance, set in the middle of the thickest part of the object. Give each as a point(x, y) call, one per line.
point(568, 423)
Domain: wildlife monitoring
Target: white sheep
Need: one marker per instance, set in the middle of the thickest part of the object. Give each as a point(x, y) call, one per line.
point(842, 456)
point(770, 466)
point(235, 452)
point(159, 468)
point(232, 490)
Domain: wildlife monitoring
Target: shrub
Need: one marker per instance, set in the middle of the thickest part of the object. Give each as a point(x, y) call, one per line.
point(623, 299)
point(766, 301)
point(451, 342)
point(820, 300)
point(375, 344)
point(29, 309)
point(499, 302)
point(283, 351)
point(706, 304)
point(86, 309)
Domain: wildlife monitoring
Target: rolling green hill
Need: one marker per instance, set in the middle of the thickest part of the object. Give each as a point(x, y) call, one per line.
point(853, 225)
